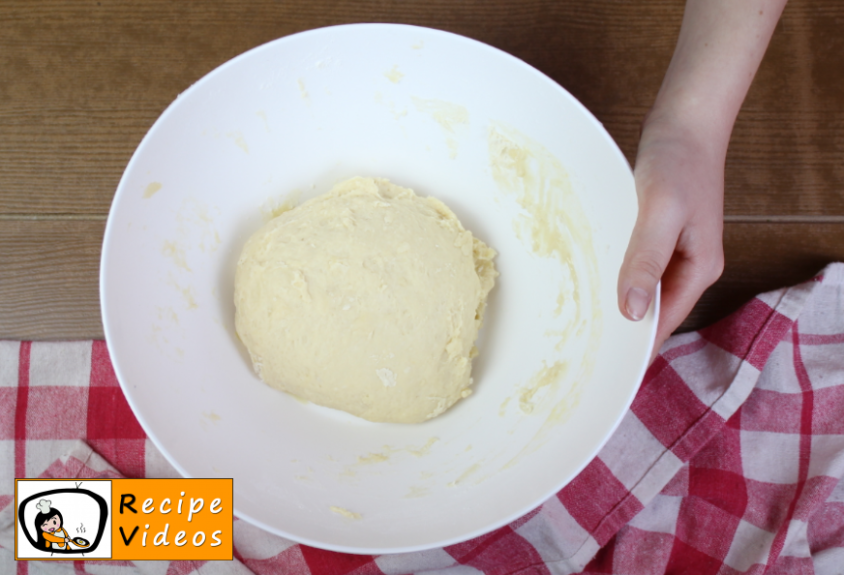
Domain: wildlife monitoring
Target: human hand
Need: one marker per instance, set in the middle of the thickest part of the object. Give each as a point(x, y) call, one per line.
point(680, 164)
point(678, 233)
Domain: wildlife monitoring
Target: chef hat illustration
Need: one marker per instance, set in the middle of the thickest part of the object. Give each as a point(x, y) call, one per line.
point(44, 506)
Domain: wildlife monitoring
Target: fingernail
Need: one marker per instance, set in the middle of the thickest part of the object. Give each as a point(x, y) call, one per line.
point(637, 303)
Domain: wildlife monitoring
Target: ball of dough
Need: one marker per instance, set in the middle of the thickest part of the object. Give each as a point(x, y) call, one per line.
point(366, 299)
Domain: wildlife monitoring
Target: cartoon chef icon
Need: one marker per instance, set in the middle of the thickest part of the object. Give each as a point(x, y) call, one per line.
point(48, 525)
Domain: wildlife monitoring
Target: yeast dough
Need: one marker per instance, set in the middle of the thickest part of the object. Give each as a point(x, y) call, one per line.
point(367, 299)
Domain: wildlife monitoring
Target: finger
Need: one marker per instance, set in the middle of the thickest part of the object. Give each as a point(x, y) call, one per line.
point(683, 282)
point(676, 301)
point(650, 250)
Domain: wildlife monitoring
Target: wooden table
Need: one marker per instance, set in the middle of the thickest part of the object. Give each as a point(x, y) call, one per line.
point(82, 81)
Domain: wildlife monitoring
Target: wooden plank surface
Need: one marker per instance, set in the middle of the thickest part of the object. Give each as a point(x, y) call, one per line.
point(82, 82)
point(765, 256)
point(49, 279)
point(48, 289)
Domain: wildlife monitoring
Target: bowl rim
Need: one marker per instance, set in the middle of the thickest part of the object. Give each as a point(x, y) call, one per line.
point(121, 191)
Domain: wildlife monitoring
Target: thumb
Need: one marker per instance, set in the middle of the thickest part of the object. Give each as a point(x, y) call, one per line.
point(648, 253)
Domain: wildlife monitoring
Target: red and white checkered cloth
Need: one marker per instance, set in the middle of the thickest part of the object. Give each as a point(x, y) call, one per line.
point(730, 460)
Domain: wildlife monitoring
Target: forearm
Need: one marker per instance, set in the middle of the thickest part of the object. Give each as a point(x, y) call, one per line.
point(720, 47)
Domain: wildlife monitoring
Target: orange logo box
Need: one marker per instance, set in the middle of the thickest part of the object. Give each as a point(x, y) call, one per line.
point(172, 519)
point(123, 519)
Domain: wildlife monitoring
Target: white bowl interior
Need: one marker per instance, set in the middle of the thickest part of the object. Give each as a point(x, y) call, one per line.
point(524, 166)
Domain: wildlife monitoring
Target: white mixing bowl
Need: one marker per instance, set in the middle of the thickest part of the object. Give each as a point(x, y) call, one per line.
point(525, 167)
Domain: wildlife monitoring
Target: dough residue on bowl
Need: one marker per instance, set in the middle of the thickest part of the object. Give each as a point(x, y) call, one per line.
point(367, 299)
